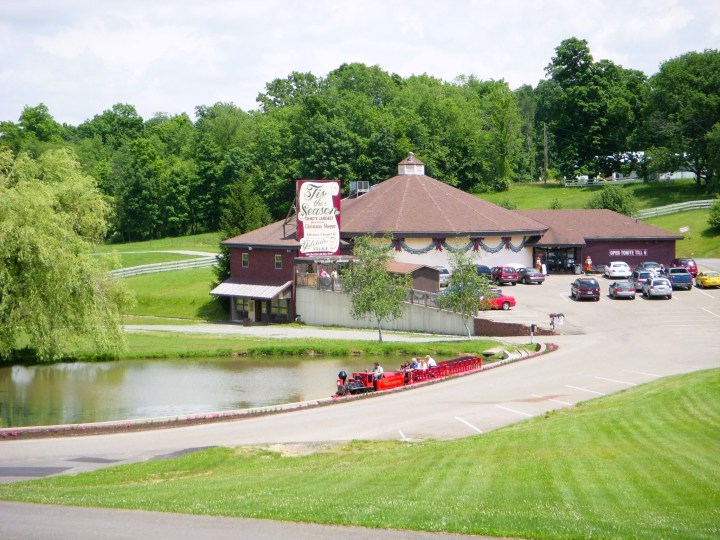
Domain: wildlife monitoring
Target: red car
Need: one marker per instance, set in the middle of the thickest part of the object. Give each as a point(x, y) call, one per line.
point(504, 274)
point(690, 264)
point(498, 300)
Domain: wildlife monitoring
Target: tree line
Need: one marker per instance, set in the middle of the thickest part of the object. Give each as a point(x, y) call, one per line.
point(234, 170)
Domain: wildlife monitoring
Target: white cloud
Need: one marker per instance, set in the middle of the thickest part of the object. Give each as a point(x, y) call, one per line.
point(80, 58)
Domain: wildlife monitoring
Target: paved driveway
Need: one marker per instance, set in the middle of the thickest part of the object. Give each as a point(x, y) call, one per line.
point(605, 347)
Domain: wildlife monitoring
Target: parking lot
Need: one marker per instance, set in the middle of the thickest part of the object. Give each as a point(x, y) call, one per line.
point(692, 315)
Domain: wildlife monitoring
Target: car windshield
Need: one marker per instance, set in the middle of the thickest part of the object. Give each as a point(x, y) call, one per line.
point(660, 282)
point(711, 274)
point(588, 282)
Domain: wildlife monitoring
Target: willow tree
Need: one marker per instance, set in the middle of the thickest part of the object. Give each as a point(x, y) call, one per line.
point(54, 294)
point(374, 291)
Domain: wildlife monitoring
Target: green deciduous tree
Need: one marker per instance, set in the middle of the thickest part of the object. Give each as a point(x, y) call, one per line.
point(374, 291)
point(53, 292)
point(466, 289)
point(243, 209)
point(684, 108)
point(592, 109)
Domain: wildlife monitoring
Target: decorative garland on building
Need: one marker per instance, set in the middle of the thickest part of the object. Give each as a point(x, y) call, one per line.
point(398, 244)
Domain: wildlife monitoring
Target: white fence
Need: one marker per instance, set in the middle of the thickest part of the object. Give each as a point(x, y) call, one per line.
point(201, 262)
point(594, 182)
point(673, 208)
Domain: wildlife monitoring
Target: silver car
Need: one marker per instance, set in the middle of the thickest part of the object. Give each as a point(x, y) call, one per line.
point(657, 287)
point(639, 277)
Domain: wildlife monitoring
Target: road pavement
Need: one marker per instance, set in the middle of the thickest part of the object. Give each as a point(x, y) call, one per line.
point(605, 347)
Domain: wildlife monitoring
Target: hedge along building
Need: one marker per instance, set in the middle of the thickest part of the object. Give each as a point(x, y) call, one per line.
point(427, 220)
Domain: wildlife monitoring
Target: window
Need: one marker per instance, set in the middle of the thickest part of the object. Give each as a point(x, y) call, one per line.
point(278, 262)
point(245, 260)
point(242, 305)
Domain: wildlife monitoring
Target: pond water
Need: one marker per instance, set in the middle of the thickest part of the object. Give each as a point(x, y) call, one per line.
point(94, 392)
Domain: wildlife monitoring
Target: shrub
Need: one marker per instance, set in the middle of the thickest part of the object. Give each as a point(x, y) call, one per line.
point(714, 218)
point(507, 203)
point(614, 198)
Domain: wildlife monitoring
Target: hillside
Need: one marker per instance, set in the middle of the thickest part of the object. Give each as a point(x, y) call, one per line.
point(537, 195)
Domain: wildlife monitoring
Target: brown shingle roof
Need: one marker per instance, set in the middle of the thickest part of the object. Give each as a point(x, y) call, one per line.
point(276, 234)
point(420, 206)
point(573, 227)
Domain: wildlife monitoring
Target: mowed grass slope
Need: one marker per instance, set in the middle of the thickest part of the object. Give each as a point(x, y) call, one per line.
point(539, 196)
point(644, 463)
point(700, 241)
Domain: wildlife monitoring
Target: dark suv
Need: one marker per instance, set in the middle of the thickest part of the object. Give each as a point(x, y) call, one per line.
point(690, 264)
point(504, 274)
point(585, 287)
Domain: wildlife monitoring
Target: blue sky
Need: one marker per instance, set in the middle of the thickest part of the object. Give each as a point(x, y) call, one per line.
point(80, 57)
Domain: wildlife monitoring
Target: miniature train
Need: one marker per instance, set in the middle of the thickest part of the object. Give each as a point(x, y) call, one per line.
point(364, 381)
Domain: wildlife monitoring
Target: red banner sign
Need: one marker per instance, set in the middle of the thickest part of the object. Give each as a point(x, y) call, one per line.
point(318, 216)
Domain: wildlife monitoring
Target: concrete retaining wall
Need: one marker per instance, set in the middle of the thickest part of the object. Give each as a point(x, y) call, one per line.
point(325, 308)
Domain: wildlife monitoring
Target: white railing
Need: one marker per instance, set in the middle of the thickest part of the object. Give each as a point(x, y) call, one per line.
point(201, 262)
point(594, 182)
point(673, 208)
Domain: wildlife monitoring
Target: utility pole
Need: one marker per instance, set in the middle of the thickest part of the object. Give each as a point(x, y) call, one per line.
point(545, 150)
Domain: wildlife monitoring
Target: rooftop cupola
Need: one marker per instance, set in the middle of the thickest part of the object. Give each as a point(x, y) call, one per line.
point(411, 165)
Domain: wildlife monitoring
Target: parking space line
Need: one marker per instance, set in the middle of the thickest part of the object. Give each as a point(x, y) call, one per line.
point(586, 390)
point(514, 411)
point(642, 373)
point(615, 380)
point(468, 424)
point(710, 312)
point(553, 400)
point(705, 293)
point(402, 436)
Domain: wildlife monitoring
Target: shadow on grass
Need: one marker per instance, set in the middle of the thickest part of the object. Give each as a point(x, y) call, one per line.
point(214, 310)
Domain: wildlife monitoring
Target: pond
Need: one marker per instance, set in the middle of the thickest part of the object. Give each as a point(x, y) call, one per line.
point(81, 392)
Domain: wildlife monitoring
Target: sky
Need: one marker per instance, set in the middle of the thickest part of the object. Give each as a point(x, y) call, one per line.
point(80, 57)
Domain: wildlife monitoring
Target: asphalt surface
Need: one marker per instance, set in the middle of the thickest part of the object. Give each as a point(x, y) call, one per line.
point(605, 347)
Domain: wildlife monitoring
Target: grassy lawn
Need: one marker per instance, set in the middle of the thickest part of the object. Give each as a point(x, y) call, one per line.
point(701, 241)
point(171, 345)
point(207, 242)
point(638, 464)
point(182, 294)
point(539, 196)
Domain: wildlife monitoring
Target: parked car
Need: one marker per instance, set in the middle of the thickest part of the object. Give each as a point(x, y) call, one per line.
point(680, 278)
point(622, 289)
point(497, 300)
point(617, 269)
point(639, 277)
point(649, 265)
point(690, 264)
point(483, 270)
point(444, 276)
point(585, 287)
point(657, 287)
point(530, 275)
point(707, 279)
point(504, 274)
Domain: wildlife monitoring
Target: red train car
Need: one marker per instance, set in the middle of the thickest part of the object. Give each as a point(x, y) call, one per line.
point(364, 381)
